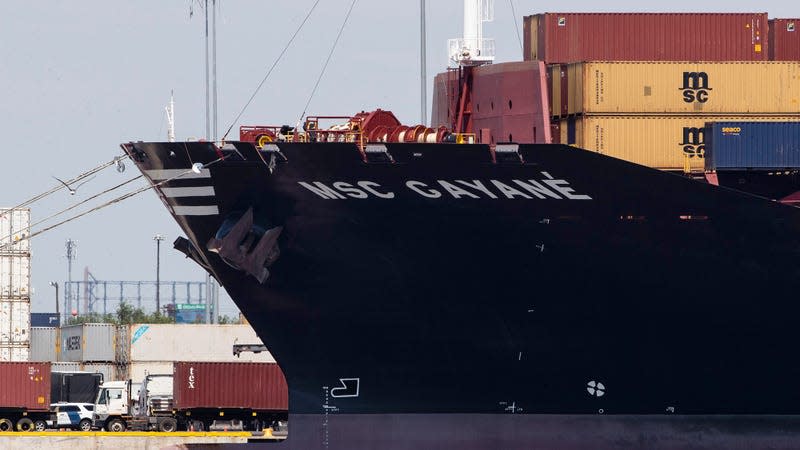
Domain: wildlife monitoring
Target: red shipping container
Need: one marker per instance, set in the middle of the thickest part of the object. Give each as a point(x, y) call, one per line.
point(576, 37)
point(564, 89)
point(784, 40)
point(256, 386)
point(25, 385)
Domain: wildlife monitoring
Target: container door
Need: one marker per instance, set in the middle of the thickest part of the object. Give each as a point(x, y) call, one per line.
point(571, 131)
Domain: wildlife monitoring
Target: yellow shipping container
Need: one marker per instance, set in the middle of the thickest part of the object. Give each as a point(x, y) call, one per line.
point(555, 90)
point(662, 142)
point(575, 88)
point(683, 87)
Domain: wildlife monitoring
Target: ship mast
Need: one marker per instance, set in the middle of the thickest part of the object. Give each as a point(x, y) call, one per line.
point(211, 72)
point(472, 49)
point(171, 117)
point(423, 64)
point(466, 53)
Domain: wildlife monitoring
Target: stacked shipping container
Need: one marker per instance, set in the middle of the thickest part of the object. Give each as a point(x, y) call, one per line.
point(44, 341)
point(134, 351)
point(678, 88)
point(15, 282)
point(633, 101)
point(110, 371)
point(784, 40)
point(88, 342)
point(152, 348)
point(667, 142)
point(752, 145)
point(760, 157)
point(558, 38)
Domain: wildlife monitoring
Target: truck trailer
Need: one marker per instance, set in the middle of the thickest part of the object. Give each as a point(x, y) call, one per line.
point(197, 396)
point(30, 388)
point(74, 386)
point(24, 396)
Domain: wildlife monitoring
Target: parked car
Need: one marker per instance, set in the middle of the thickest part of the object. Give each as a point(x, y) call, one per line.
point(77, 416)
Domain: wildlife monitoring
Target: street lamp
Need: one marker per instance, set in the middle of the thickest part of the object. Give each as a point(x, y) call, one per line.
point(58, 310)
point(158, 238)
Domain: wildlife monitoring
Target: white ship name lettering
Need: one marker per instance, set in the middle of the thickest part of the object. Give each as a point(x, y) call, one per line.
point(543, 189)
point(417, 186)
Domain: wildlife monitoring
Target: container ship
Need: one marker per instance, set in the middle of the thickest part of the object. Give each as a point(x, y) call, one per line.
point(474, 286)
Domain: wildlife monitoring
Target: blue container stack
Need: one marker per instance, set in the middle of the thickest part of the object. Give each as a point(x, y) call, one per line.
point(752, 146)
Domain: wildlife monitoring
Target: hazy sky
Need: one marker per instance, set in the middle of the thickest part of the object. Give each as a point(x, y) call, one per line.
point(79, 78)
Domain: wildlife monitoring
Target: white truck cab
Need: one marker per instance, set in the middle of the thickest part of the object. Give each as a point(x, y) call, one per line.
point(115, 400)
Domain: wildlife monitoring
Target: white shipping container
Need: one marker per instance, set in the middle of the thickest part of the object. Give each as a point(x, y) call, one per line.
point(138, 370)
point(15, 276)
point(14, 353)
point(178, 342)
point(43, 343)
point(88, 342)
point(15, 323)
point(15, 227)
point(109, 370)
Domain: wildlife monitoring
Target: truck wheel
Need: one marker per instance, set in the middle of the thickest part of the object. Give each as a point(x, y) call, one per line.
point(168, 425)
point(25, 424)
point(115, 425)
point(39, 425)
point(197, 425)
point(85, 425)
point(6, 425)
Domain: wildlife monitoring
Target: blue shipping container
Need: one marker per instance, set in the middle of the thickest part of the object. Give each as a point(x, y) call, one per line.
point(752, 145)
point(44, 320)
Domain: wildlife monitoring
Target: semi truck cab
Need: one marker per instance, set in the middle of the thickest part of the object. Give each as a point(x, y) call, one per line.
point(117, 402)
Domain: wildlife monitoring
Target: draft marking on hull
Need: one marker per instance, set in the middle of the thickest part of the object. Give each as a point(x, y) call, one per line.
point(350, 388)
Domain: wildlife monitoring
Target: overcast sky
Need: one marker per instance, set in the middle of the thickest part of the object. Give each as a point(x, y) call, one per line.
point(79, 78)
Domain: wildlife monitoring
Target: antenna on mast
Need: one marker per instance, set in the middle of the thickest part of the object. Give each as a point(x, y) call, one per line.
point(473, 49)
point(171, 117)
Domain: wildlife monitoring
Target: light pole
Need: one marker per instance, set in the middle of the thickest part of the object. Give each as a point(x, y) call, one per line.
point(158, 238)
point(72, 253)
point(58, 310)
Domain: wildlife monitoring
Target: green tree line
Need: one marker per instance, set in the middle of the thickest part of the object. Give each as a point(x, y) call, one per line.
point(127, 314)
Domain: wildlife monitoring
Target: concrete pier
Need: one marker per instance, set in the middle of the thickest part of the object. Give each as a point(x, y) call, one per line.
point(134, 440)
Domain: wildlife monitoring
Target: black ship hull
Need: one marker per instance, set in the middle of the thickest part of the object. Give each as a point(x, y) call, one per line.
point(438, 287)
point(770, 184)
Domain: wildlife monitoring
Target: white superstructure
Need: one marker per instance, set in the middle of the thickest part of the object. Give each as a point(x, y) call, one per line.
point(473, 49)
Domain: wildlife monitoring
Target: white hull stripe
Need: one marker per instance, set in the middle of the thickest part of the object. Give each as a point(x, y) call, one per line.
point(200, 191)
point(166, 174)
point(195, 210)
